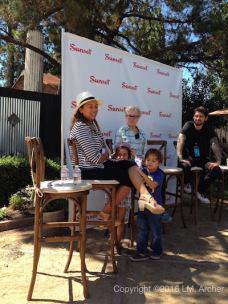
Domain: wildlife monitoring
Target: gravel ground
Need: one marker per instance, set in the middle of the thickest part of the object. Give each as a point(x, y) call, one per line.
point(192, 270)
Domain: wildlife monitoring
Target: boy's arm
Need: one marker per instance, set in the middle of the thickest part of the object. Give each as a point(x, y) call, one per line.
point(150, 183)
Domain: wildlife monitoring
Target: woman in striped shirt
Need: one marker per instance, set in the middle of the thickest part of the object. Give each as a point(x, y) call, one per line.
point(94, 154)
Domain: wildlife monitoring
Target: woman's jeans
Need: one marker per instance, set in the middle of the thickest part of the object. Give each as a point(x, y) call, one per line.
point(147, 223)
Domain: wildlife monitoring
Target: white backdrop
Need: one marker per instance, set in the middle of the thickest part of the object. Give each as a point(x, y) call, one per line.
point(121, 79)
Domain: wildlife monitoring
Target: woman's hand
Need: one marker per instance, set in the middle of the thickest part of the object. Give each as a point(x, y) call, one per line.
point(104, 156)
point(148, 180)
point(186, 162)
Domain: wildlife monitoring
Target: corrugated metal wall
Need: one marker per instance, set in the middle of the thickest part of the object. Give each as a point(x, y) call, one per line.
point(37, 114)
point(12, 137)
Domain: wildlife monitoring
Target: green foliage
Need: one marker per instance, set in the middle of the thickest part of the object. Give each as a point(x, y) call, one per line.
point(52, 169)
point(14, 174)
point(3, 214)
point(206, 90)
point(16, 202)
point(184, 33)
point(22, 199)
point(56, 205)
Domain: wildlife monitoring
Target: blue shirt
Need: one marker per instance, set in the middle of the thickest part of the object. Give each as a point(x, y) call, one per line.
point(126, 135)
point(158, 177)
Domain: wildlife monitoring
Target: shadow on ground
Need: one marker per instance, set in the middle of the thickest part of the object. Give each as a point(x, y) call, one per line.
point(192, 270)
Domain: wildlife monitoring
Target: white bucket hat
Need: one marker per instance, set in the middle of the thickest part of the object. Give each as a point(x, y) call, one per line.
point(84, 97)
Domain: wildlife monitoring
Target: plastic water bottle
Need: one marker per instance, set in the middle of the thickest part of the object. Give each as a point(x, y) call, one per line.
point(64, 173)
point(77, 175)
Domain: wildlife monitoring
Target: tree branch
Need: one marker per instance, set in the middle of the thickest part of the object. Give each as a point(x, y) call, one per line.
point(53, 11)
point(113, 42)
point(129, 42)
point(31, 47)
point(147, 17)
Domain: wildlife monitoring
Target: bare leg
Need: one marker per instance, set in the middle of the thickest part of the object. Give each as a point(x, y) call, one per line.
point(120, 228)
point(137, 180)
point(145, 200)
point(121, 193)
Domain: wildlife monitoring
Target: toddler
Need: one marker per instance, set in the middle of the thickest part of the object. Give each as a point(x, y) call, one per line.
point(122, 152)
point(148, 222)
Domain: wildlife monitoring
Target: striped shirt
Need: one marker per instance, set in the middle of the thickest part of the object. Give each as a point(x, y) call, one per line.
point(126, 135)
point(89, 142)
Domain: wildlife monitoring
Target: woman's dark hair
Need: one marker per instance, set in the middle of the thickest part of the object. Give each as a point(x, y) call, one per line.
point(201, 110)
point(119, 147)
point(155, 152)
point(79, 117)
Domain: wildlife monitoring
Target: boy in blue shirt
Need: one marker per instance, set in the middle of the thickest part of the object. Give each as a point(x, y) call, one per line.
point(148, 222)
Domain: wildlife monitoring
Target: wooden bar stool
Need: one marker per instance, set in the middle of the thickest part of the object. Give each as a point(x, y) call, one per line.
point(194, 201)
point(220, 195)
point(105, 185)
point(177, 173)
point(45, 192)
point(111, 185)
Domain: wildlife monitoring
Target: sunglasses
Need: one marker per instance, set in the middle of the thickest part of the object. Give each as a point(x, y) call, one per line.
point(132, 116)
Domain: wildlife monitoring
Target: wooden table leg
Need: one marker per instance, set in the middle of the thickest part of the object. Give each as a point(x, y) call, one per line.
point(83, 244)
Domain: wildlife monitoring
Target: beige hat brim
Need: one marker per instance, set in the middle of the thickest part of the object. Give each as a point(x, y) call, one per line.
point(99, 101)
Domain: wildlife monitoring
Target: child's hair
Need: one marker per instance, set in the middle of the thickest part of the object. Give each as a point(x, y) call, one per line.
point(155, 152)
point(119, 147)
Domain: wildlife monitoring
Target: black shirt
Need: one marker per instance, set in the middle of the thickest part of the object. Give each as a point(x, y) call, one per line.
point(197, 140)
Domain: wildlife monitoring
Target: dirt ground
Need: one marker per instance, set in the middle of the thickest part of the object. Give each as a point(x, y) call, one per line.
point(192, 270)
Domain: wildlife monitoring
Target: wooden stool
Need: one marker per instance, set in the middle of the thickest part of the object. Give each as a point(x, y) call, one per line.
point(45, 192)
point(101, 185)
point(110, 185)
point(194, 201)
point(178, 174)
point(220, 195)
point(132, 216)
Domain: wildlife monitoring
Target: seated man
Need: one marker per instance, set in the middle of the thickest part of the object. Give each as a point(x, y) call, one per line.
point(193, 149)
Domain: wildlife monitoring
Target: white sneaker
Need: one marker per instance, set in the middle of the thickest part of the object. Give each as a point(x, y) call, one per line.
point(188, 189)
point(202, 198)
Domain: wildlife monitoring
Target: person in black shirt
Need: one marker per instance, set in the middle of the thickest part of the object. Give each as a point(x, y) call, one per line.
point(195, 143)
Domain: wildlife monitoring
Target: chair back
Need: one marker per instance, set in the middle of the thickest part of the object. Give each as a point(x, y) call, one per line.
point(160, 145)
point(74, 153)
point(36, 159)
point(109, 144)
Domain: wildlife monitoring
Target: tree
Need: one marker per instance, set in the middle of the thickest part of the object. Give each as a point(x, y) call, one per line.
point(206, 90)
point(185, 33)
